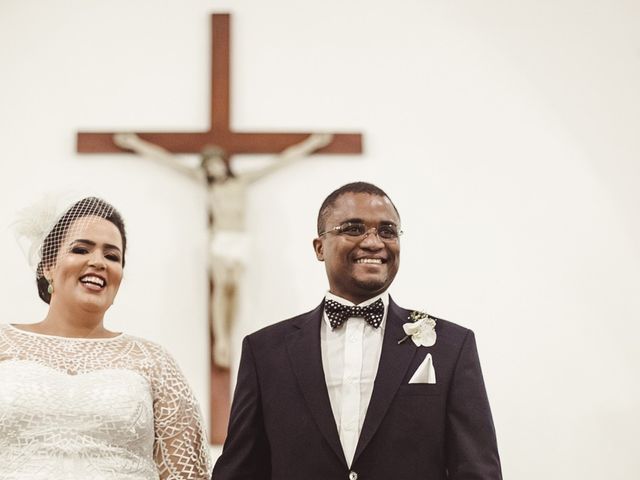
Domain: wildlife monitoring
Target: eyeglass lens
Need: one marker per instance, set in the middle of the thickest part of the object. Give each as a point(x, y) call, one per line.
point(353, 229)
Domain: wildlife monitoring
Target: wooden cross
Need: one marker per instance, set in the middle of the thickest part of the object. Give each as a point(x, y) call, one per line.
point(219, 134)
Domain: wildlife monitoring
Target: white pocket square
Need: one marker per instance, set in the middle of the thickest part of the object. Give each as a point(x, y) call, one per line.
point(425, 372)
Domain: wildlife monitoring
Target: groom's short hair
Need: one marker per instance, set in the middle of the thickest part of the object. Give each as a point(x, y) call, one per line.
point(353, 187)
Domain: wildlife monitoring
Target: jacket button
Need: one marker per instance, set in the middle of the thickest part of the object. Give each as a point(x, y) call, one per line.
point(353, 476)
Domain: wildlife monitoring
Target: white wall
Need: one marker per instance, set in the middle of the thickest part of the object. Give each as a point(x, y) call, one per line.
point(506, 133)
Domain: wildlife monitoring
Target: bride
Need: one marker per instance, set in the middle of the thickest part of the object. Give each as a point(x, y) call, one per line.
point(79, 401)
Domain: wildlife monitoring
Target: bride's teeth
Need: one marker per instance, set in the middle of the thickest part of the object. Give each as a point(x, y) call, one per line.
point(95, 280)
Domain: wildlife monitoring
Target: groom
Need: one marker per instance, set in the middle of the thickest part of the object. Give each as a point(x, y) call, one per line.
point(360, 388)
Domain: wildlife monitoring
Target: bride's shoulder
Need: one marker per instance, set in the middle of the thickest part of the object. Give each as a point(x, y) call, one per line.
point(149, 347)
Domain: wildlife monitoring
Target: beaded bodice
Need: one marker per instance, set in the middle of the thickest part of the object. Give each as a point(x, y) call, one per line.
point(113, 408)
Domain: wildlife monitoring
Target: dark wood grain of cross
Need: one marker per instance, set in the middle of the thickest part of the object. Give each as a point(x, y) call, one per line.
point(232, 142)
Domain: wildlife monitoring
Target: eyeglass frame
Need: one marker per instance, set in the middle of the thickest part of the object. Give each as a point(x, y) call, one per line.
point(338, 230)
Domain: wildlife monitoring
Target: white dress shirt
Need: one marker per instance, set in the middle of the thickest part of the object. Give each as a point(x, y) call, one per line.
point(350, 357)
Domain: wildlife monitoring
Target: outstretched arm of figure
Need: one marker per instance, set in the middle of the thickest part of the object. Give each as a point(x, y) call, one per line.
point(290, 155)
point(154, 152)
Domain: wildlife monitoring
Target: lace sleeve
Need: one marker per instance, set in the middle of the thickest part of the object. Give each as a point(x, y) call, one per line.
point(181, 449)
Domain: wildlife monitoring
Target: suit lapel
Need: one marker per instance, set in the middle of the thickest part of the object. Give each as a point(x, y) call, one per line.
point(303, 347)
point(394, 362)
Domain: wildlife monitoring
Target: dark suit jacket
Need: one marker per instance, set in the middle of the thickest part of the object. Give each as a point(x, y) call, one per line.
point(282, 426)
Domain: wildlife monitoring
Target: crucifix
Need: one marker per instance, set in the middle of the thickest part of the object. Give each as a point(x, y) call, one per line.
point(216, 146)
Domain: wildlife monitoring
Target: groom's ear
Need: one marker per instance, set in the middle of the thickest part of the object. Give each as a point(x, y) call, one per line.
point(318, 247)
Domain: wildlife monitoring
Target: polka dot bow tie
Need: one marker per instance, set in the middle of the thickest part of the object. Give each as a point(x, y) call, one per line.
point(339, 313)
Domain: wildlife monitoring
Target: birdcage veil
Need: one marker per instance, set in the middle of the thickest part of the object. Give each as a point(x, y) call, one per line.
point(42, 227)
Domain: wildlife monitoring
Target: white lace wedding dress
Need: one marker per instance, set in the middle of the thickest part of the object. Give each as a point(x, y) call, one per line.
point(95, 409)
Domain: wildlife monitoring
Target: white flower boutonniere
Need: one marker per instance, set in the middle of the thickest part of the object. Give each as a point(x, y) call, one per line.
point(421, 328)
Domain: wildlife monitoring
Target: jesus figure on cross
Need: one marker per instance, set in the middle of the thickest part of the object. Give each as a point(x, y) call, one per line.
point(228, 241)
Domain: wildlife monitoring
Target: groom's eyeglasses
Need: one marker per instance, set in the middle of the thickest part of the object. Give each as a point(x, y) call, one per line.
point(387, 232)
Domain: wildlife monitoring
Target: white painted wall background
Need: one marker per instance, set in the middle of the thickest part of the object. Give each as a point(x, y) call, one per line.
point(506, 133)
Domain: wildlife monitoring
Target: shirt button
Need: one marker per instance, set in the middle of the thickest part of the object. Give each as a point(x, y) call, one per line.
point(353, 338)
point(353, 476)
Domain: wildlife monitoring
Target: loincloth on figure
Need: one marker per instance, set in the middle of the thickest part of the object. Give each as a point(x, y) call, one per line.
point(230, 247)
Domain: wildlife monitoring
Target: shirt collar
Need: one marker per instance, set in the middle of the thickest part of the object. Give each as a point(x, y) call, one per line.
point(384, 296)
